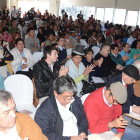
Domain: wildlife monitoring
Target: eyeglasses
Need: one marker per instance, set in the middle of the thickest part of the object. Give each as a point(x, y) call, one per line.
point(67, 99)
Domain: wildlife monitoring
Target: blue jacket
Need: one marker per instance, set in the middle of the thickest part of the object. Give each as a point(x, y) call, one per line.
point(51, 123)
point(131, 98)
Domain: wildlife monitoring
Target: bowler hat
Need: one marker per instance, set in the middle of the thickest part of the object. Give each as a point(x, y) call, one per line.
point(79, 50)
point(132, 71)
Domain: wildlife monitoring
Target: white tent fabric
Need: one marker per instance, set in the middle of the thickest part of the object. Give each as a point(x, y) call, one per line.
point(21, 88)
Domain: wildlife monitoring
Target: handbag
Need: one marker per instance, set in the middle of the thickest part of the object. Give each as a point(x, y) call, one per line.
point(88, 87)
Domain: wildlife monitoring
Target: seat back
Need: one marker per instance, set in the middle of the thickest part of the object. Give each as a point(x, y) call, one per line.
point(21, 88)
point(95, 50)
point(37, 56)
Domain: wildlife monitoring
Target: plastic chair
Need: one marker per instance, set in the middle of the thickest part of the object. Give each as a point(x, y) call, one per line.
point(95, 50)
point(21, 88)
point(37, 56)
point(83, 98)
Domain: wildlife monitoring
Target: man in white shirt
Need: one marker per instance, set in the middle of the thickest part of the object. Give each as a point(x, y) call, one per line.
point(14, 13)
point(131, 39)
point(16, 126)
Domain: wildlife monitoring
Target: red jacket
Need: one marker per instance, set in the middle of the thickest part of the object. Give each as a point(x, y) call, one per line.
point(99, 114)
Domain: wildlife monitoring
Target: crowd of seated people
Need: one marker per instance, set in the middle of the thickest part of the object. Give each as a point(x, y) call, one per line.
point(68, 58)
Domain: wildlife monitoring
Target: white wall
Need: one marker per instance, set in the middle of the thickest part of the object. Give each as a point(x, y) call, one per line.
point(123, 4)
point(3, 3)
point(95, 3)
point(128, 4)
point(51, 5)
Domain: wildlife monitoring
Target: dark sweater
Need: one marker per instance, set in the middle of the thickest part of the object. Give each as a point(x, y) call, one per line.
point(107, 66)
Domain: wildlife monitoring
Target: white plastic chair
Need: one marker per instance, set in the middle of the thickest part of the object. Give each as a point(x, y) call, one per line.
point(95, 50)
point(37, 56)
point(83, 98)
point(21, 88)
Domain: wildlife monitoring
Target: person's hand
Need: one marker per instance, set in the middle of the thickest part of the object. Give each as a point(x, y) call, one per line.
point(0, 59)
point(136, 56)
point(119, 122)
point(26, 138)
point(35, 45)
point(88, 69)
point(7, 55)
point(95, 62)
point(69, 56)
point(82, 135)
point(33, 49)
point(79, 137)
point(125, 58)
point(24, 66)
point(25, 59)
point(75, 138)
point(100, 61)
point(119, 67)
point(42, 45)
point(136, 109)
point(118, 136)
point(63, 71)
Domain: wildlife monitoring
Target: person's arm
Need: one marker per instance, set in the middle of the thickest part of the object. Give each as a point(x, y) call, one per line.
point(118, 121)
point(129, 102)
point(33, 131)
point(94, 116)
point(41, 82)
point(30, 59)
point(79, 78)
point(83, 123)
point(27, 43)
point(17, 60)
point(8, 56)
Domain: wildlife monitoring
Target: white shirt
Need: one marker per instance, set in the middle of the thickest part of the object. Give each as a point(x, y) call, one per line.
point(106, 102)
point(69, 120)
point(130, 40)
point(60, 47)
point(10, 135)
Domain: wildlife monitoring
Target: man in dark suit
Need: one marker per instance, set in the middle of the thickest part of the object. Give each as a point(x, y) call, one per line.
point(128, 77)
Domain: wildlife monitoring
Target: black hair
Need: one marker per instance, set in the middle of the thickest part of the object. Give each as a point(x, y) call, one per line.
point(113, 46)
point(29, 29)
point(134, 44)
point(5, 29)
point(48, 50)
point(19, 39)
point(86, 51)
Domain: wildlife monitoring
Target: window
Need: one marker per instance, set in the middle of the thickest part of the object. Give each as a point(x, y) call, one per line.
point(68, 10)
point(100, 14)
point(132, 18)
point(89, 11)
point(74, 10)
point(139, 19)
point(26, 5)
point(108, 14)
point(119, 16)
